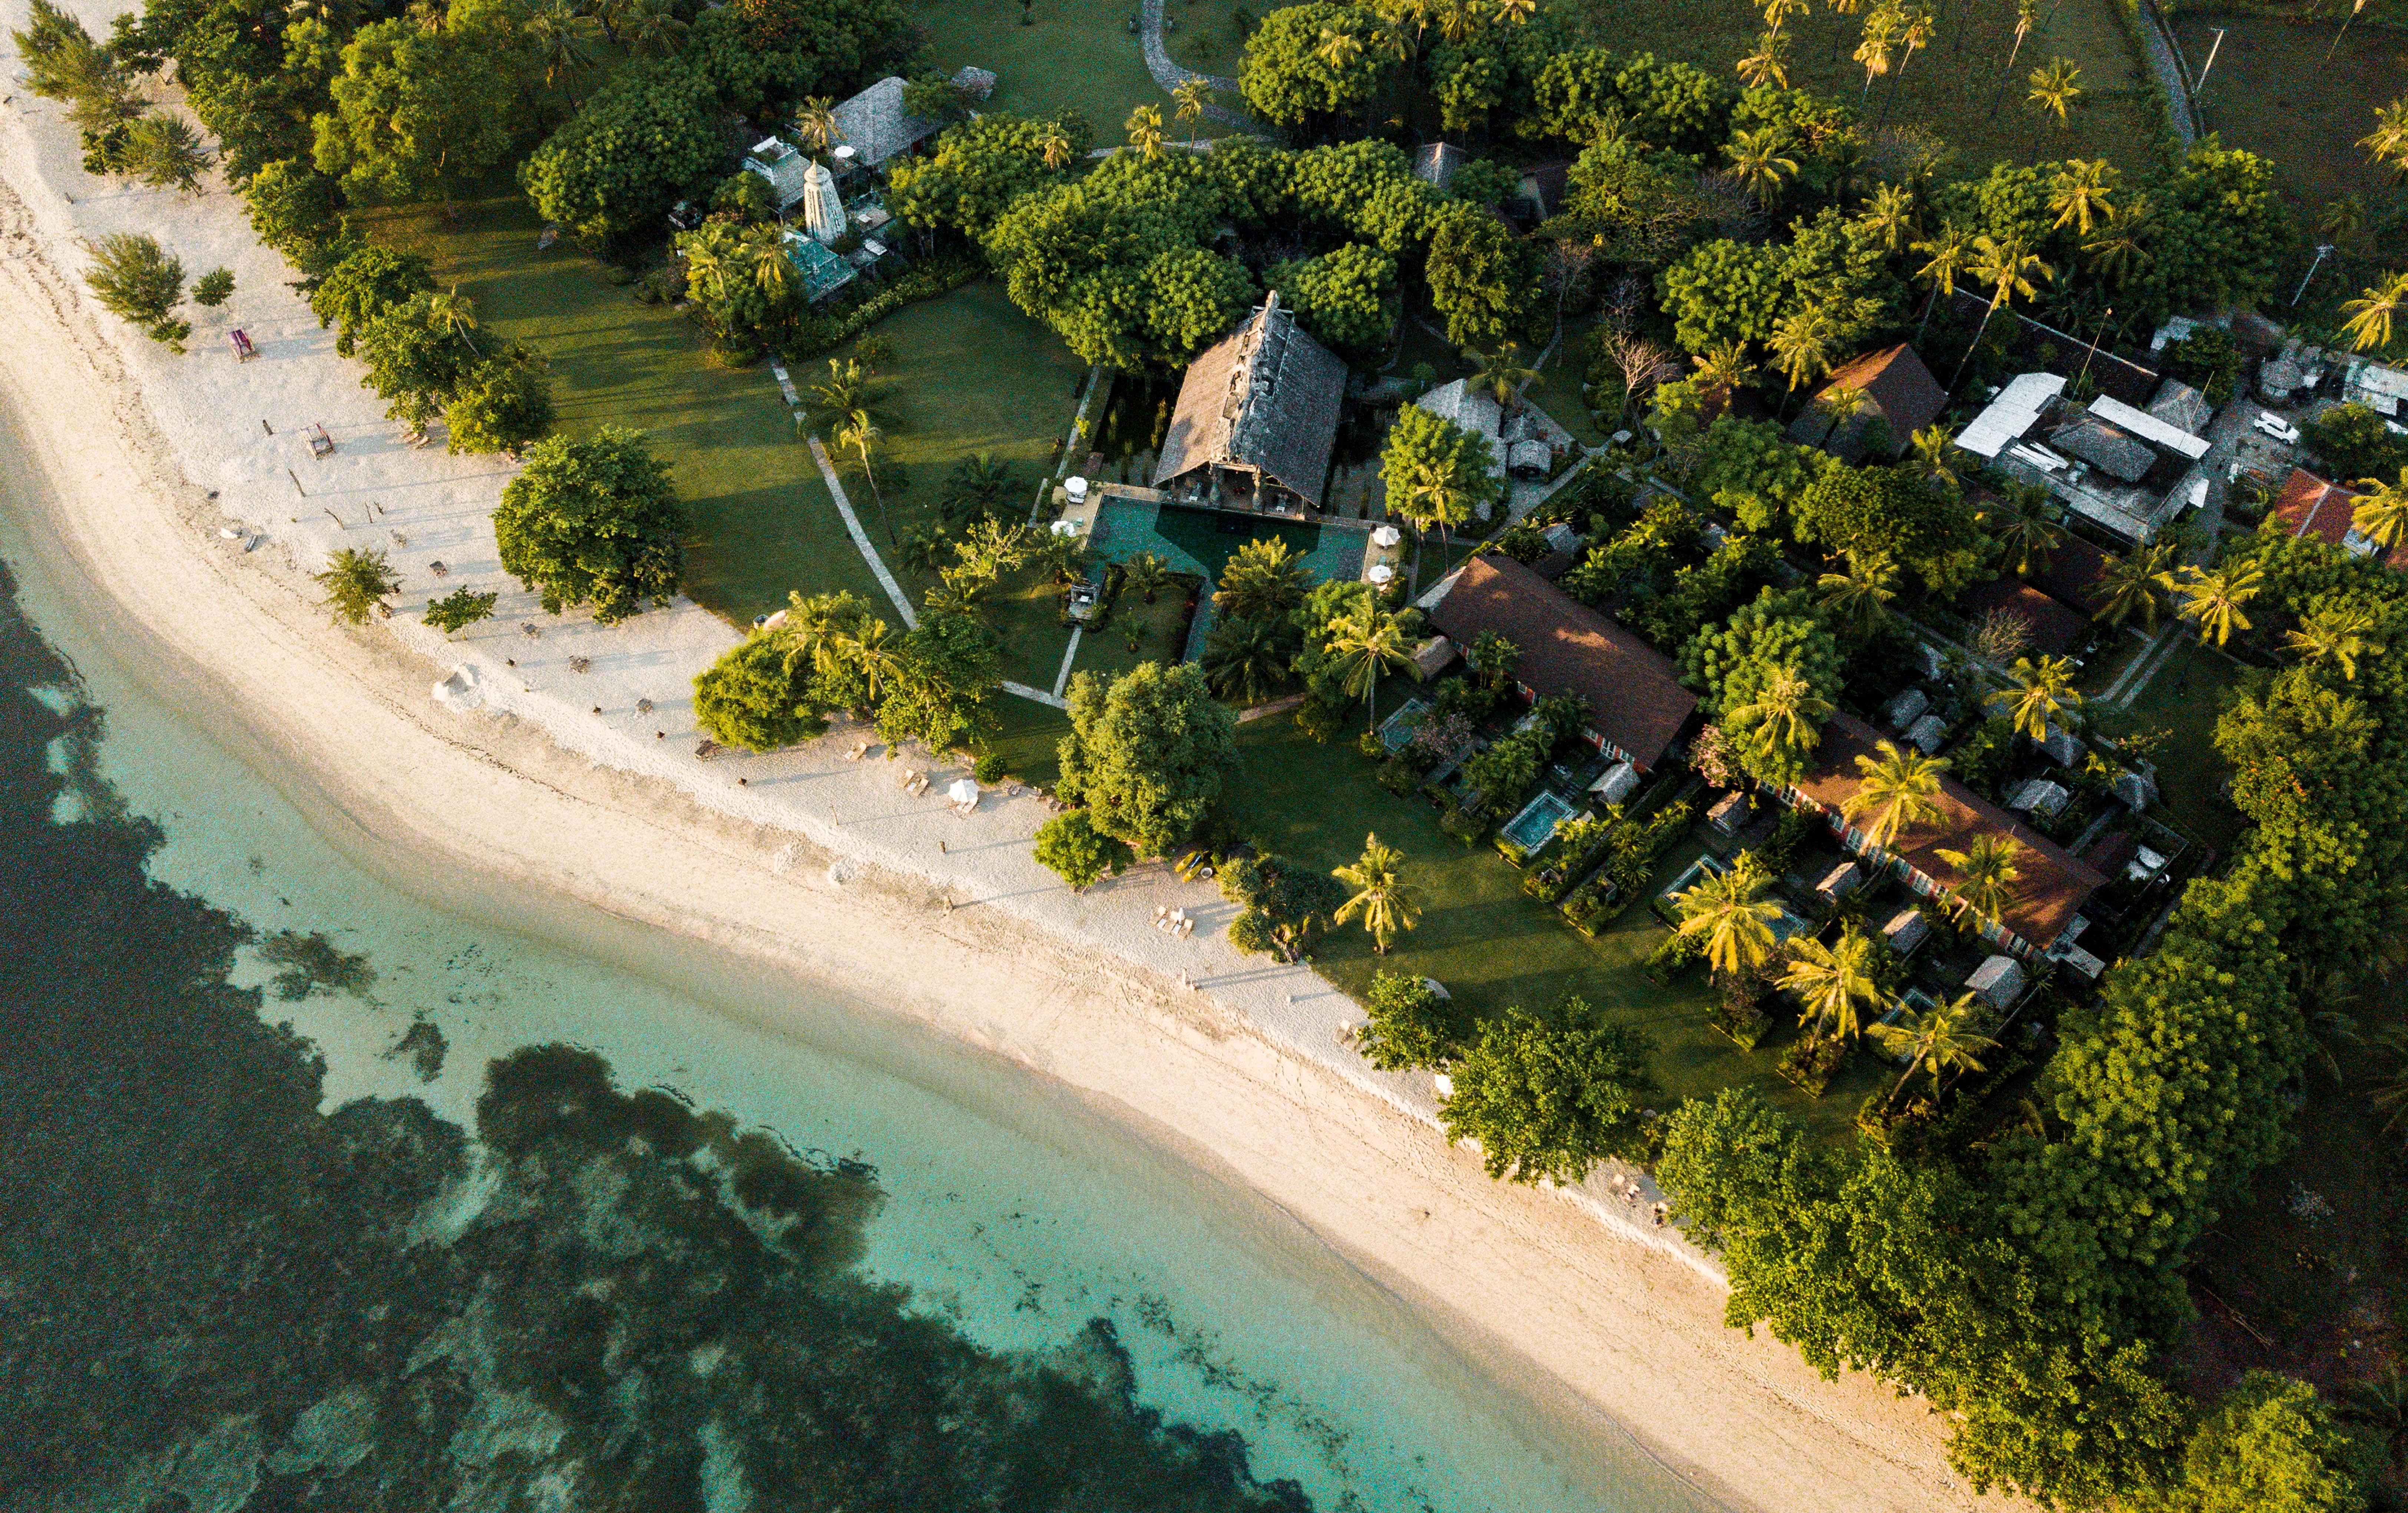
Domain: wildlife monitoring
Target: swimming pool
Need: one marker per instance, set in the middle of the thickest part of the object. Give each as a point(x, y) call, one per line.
point(1196, 541)
point(1536, 825)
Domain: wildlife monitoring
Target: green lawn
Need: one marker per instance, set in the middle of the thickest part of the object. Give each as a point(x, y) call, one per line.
point(1491, 945)
point(2183, 699)
point(1077, 55)
point(1208, 37)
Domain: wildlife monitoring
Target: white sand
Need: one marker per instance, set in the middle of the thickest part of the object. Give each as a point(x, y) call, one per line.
point(814, 864)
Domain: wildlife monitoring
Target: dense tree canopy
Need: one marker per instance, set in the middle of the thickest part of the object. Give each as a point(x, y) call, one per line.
point(1550, 1095)
point(640, 142)
point(1147, 753)
point(1292, 74)
point(417, 111)
point(594, 522)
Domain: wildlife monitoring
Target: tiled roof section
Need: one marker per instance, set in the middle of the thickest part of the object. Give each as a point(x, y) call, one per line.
point(2095, 441)
point(875, 124)
point(2051, 886)
point(1635, 700)
point(1265, 397)
point(2308, 505)
point(2055, 627)
point(1897, 387)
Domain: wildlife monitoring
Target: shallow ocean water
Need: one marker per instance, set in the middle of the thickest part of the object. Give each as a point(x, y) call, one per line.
point(1011, 1209)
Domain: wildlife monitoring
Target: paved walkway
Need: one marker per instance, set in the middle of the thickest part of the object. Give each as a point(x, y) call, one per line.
point(1170, 76)
point(2169, 72)
point(861, 538)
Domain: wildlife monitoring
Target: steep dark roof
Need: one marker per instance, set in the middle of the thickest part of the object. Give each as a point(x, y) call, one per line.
point(1265, 397)
point(2095, 441)
point(1634, 699)
point(2052, 887)
point(2054, 627)
point(1897, 387)
point(1435, 163)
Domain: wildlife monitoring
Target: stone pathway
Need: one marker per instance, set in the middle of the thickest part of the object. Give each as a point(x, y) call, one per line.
point(2169, 70)
point(1170, 76)
point(861, 538)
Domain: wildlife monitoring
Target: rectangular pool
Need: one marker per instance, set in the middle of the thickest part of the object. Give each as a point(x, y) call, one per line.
point(1536, 825)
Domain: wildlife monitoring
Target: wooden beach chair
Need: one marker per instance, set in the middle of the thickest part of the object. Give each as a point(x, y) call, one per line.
point(321, 444)
point(240, 341)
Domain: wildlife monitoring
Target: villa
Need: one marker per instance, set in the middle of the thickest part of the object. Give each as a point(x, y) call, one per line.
point(2048, 893)
point(1637, 708)
point(2309, 505)
point(1256, 419)
point(1895, 389)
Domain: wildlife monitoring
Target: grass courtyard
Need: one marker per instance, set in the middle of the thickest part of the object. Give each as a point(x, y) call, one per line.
point(2183, 699)
point(1073, 55)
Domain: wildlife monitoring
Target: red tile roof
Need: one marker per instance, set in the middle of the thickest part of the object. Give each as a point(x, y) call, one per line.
point(1635, 700)
point(2052, 885)
point(2308, 505)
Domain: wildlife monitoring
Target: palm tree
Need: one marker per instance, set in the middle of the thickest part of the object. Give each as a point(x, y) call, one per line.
point(2212, 600)
point(815, 123)
point(1056, 147)
point(1858, 599)
point(2381, 1404)
point(1986, 874)
point(1192, 96)
point(1435, 499)
point(2336, 634)
point(2369, 315)
point(1801, 344)
point(1145, 131)
point(1880, 34)
point(2008, 268)
point(1888, 217)
point(2081, 192)
point(1757, 157)
point(2129, 585)
point(924, 548)
point(2026, 15)
point(1146, 574)
point(1265, 580)
point(2343, 218)
point(1914, 34)
point(816, 630)
point(1833, 985)
point(2042, 693)
point(1365, 643)
point(1768, 64)
point(1949, 252)
point(1842, 403)
point(2026, 527)
point(1728, 909)
point(861, 433)
point(1787, 709)
point(1941, 1039)
point(356, 582)
point(706, 265)
point(2389, 142)
point(1515, 11)
point(1492, 656)
point(1338, 47)
point(1245, 661)
point(456, 313)
point(1500, 372)
point(2121, 248)
point(561, 38)
point(2380, 515)
point(2053, 89)
point(1895, 789)
point(763, 252)
point(651, 30)
point(1724, 366)
point(845, 389)
point(1382, 897)
point(1776, 12)
point(1931, 454)
point(875, 652)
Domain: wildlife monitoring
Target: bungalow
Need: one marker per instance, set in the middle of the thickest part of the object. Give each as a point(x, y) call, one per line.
point(2050, 629)
point(2308, 505)
point(1893, 387)
point(2050, 889)
point(1257, 419)
point(1637, 708)
point(872, 127)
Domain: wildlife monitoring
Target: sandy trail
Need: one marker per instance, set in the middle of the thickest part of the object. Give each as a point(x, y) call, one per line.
point(814, 865)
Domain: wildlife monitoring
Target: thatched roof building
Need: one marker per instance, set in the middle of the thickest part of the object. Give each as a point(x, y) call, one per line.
point(1257, 418)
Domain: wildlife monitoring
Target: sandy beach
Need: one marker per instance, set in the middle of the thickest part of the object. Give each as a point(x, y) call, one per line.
point(164, 480)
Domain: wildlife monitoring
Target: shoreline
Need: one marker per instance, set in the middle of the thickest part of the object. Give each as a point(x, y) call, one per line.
point(497, 805)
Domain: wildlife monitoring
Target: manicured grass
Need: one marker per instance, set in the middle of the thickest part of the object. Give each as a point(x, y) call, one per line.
point(1078, 55)
point(1490, 944)
point(762, 521)
point(1208, 37)
point(2183, 698)
point(2256, 98)
point(1957, 87)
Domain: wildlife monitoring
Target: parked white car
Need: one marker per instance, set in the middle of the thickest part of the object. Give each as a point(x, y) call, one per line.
point(2275, 426)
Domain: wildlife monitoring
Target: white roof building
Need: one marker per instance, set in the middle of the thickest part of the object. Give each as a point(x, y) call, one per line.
point(2015, 410)
point(2382, 390)
point(2140, 422)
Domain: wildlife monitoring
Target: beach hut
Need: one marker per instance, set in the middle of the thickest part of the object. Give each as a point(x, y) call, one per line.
point(1616, 784)
point(1997, 981)
point(1905, 930)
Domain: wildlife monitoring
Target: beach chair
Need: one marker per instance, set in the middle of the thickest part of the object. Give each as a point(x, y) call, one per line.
point(240, 341)
point(321, 444)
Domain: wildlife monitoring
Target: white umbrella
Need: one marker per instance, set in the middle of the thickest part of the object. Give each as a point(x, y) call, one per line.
point(963, 791)
point(1387, 535)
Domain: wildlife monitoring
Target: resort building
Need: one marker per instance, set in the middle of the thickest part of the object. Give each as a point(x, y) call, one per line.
point(2122, 468)
point(2309, 505)
point(786, 168)
point(2050, 887)
point(1891, 387)
point(1256, 419)
point(1637, 708)
point(873, 128)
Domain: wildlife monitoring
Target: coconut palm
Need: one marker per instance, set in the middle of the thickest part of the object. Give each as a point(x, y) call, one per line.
point(2008, 268)
point(875, 652)
point(1724, 366)
point(1801, 344)
point(2212, 600)
point(1888, 217)
point(763, 255)
point(2026, 527)
point(1145, 131)
point(845, 389)
point(1364, 644)
point(560, 38)
point(1942, 1039)
point(1265, 580)
point(2381, 1405)
point(1777, 13)
point(1501, 373)
point(1768, 64)
point(2388, 144)
point(1191, 98)
point(816, 632)
point(2082, 191)
point(924, 548)
point(1986, 874)
point(1729, 912)
point(1760, 159)
point(815, 123)
point(1833, 985)
point(1880, 34)
point(1145, 574)
point(1932, 456)
point(1516, 12)
point(1787, 709)
point(2369, 315)
point(1492, 656)
point(2381, 514)
point(651, 28)
point(1382, 897)
point(2054, 89)
point(1055, 147)
point(1434, 498)
point(1915, 33)
point(1858, 599)
point(2121, 248)
point(2041, 694)
point(2027, 17)
point(1949, 252)
point(356, 582)
point(861, 433)
point(1895, 789)
point(1245, 661)
point(1338, 47)
point(2335, 633)
point(456, 313)
point(2130, 586)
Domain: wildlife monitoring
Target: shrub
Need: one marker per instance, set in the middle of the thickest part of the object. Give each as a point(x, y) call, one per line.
point(1079, 853)
point(132, 279)
point(990, 768)
point(213, 288)
point(1408, 1025)
point(356, 582)
point(502, 405)
point(459, 609)
point(1399, 777)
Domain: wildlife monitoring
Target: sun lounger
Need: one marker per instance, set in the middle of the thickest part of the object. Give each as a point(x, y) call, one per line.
point(321, 444)
point(240, 341)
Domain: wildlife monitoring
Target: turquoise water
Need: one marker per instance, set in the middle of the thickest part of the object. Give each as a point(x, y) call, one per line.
point(1193, 541)
point(1536, 825)
point(1011, 1209)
